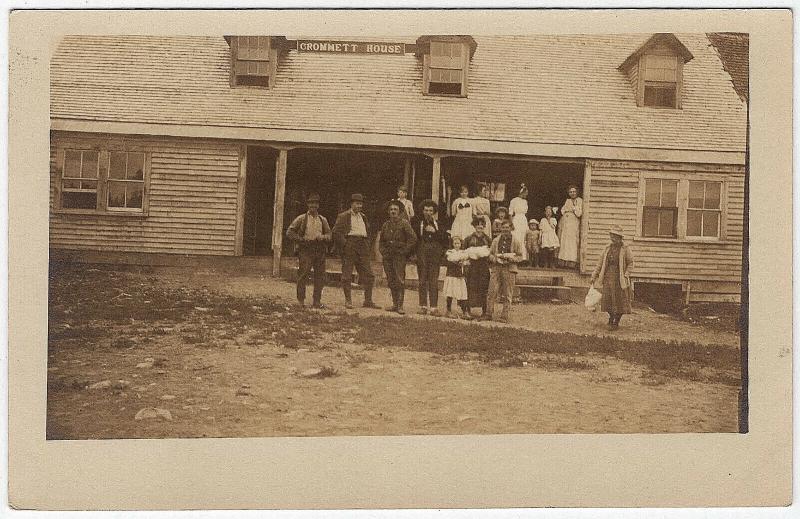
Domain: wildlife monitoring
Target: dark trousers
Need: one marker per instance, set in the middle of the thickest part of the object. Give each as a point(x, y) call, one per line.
point(546, 256)
point(395, 269)
point(429, 257)
point(356, 254)
point(311, 256)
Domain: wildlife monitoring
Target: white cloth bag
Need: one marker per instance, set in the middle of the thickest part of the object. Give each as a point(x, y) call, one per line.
point(593, 299)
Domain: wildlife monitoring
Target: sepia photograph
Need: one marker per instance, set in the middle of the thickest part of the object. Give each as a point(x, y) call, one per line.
point(256, 235)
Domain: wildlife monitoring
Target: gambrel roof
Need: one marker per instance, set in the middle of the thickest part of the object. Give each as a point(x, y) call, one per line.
point(564, 89)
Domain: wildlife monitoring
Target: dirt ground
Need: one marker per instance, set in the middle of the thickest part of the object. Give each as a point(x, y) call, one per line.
point(232, 356)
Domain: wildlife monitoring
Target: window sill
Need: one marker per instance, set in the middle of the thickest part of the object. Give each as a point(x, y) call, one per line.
point(94, 212)
point(682, 240)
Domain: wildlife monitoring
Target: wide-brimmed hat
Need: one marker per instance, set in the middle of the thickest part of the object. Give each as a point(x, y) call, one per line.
point(356, 197)
point(617, 229)
point(313, 197)
point(403, 188)
point(533, 220)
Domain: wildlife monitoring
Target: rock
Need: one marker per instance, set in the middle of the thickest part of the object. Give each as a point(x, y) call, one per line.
point(243, 392)
point(205, 408)
point(202, 309)
point(351, 340)
point(149, 413)
point(168, 397)
point(103, 384)
point(312, 372)
point(144, 365)
point(303, 350)
point(120, 384)
point(161, 372)
point(149, 359)
point(465, 417)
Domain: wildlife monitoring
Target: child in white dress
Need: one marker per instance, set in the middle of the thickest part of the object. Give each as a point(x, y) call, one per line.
point(455, 286)
point(548, 238)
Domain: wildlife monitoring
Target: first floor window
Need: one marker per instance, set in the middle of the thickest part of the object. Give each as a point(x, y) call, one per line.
point(704, 211)
point(103, 181)
point(80, 174)
point(660, 215)
point(683, 208)
point(125, 180)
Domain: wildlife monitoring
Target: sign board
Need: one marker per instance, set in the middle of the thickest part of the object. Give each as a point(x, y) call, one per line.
point(351, 47)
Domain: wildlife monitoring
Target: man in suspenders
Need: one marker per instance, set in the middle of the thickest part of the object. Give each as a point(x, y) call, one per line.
point(312, 234)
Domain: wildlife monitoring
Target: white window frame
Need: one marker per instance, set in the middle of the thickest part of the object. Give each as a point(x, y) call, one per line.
point(643, 82)
point(683, 179)
point(427, 66)
point(101, 194)
point(126, 180)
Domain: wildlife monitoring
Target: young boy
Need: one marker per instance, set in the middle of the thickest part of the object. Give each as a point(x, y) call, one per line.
point(532, 242)
point(408, 207)
point(504, 255)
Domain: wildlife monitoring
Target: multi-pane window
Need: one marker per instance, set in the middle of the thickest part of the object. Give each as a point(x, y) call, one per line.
point(704, 209)
point(102, 180)
point(125, 180)
point(660, 80)
point(446, 68)
point(251, 60)
point(79, 178)
point(660, 211)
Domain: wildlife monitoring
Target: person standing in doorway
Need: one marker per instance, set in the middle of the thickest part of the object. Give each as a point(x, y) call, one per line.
point(351, 234)
point(396, 242)
point(613, 274)
point(518, 211)
point(408, 207)
point(462, 212)
point(312, 234)
point(570, 227)
point(482, 208)
point(505, 253)
point(431, 243)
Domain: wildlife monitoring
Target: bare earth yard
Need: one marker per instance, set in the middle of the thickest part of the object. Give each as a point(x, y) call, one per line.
point(231, 356)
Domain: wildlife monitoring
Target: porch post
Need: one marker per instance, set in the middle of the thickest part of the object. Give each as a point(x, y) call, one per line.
point(587, 177)
point(277, 215)
point(436, 179)
point(407, 177)
point(240, 201)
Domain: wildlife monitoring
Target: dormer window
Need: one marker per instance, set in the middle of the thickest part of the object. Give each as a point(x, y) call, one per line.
point(253, 61)
point(655, 71)
point(445, 62)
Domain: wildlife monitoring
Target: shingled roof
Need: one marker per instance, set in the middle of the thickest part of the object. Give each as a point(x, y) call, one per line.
point(734, 49)
point(528, 89)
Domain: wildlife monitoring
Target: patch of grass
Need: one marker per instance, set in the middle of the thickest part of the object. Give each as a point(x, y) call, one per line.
point(560, 363)
point(719, 363)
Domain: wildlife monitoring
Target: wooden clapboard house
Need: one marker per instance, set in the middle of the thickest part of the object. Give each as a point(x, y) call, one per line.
point(167, 147)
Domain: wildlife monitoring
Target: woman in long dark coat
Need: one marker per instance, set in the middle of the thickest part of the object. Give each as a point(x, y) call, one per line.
point(478, 269)
point(613, 275)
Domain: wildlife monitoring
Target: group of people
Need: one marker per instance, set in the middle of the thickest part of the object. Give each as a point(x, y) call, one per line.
point(481, 265)
point(548, 242)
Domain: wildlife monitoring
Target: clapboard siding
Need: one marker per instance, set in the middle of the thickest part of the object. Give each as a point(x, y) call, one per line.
point(192, 200)
point(613, 200)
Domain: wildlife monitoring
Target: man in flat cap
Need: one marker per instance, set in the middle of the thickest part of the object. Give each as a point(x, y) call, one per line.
point(351, 234)
point(312, 234)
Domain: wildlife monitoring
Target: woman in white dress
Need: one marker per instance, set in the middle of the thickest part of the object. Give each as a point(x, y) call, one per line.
point(518, 212)
point(482, 208)
point(462, 212)
point(570, 227)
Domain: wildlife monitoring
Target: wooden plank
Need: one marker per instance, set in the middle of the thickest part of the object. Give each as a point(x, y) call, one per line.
point(277, 217)
point(239, 233)
point(715, 298)
point(587, 208)
point(436, 176)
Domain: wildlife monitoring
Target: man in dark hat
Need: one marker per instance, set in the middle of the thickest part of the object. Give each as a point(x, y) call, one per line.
point(396, 242)
point(351, 234)
point(311, 232)
point(431, 244)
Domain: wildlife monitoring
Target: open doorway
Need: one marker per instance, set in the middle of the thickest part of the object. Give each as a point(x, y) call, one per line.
point(547, 182)
point(259, 201)
point(335, 174)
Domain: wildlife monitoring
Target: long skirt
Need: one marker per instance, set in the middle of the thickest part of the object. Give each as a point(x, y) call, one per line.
point(616, 300)
point(478, 282)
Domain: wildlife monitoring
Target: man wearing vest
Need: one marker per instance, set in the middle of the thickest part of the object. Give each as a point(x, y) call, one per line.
point(431, 244)
point(312, 234)
point(351, 234)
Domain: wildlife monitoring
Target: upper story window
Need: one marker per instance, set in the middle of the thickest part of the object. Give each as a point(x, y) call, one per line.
point(253, 61)
point(446, 62)
point(101, 181)
point(655, 71)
